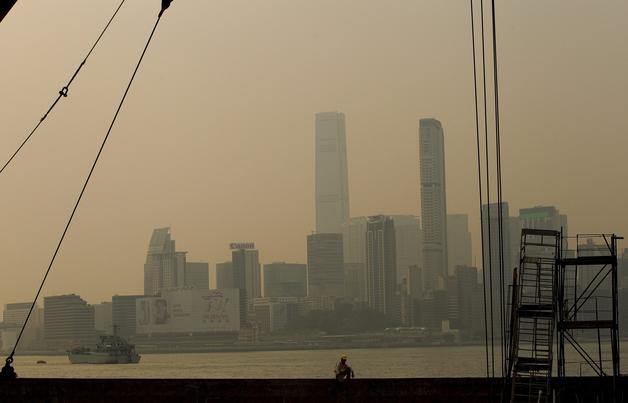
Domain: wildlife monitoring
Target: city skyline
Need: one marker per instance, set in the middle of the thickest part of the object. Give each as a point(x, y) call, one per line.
point(216, 167)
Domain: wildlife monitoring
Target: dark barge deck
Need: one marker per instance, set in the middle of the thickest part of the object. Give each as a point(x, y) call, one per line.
point(425, 390)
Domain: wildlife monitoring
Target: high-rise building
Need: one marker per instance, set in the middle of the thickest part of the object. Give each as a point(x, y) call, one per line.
point(409, 248)
point(381, 265)
point(415, 282)
point(543, 217)
point(355, 281)
point(15, 313)
point(466, 286)
point(494, 251)
point(354, 255)
point(332, 189)
point(433, 202)
point(164, 267)
point(408, 238)
point(197, 275)
point(246, 276)
point(224, 275)
point(68, 321)
point(458, 241)
point(354, 240)
point(124, 314)
point(103, 320)
point(325, 265)
point(285, 280)
point(13, 318)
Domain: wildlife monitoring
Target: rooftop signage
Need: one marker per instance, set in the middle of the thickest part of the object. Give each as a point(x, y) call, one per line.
point(241, 245)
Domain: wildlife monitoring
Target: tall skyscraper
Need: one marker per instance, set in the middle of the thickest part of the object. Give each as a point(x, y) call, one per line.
point(325, 265)
point(493, 277)
point(197, 275)
point(164, 267)
point(246, 276)
point(458, 241)
point(332, 187)
point(354, 240)
point(408, 239)
point(285, 280)
point(381, 265)
point(224, 275)
point(433, 202)
point(466, 288)
point(354, 251)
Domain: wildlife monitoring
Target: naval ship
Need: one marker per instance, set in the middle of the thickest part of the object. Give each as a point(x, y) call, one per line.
point(110, 350)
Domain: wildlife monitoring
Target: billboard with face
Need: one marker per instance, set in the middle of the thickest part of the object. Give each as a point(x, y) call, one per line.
point(189, 311)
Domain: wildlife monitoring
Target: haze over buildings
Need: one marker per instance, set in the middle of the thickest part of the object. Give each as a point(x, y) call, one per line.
point(250, 140)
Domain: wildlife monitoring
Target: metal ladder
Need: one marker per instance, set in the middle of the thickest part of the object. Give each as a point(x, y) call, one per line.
point(533, 316)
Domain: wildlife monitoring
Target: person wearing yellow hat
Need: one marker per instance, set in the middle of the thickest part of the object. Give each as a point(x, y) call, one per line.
point(343, 370)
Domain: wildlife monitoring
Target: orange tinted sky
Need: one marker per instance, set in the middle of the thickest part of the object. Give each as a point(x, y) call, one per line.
point(216, 138)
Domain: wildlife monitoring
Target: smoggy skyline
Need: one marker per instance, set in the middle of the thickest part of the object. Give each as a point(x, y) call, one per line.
point(216, 139)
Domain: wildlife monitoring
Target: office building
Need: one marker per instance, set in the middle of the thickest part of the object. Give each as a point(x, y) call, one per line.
point(68, 322)
point(355, 281)
point(466, 286)
point(246, 276)
point(285, 280)
point(381, 265)
point(543, 217)
point(354, 255)
point(13, 318)
point(332, 189)
point(197, 275)
point(354, 240)
point(408, 238)
point(164, 267)
point(415, 282)
point(15, 313)
point(325, 265)
point(123, 314)
point(497, 281)
point(103, 318)
point(458, 241)
point(271, 316)
point(224, 275)
point(433, 202)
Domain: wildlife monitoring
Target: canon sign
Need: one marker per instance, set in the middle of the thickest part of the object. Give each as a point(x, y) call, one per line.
point(242, 245)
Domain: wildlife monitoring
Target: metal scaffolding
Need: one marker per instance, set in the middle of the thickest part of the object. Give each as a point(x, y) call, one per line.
point(533, 315)
point(587, 331)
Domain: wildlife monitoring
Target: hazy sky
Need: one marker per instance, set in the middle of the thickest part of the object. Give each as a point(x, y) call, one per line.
point(217, 136)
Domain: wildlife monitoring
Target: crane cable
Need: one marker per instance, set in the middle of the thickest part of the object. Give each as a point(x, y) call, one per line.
point(480, 188)
point(500, 218)
point(489, 317)
point(63, 93)
point(8, 371)
point(488, 195)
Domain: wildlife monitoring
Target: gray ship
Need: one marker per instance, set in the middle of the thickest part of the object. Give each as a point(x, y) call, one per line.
point(110, 350)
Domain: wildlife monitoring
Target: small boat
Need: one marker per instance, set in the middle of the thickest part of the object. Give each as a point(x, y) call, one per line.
point(110, 350)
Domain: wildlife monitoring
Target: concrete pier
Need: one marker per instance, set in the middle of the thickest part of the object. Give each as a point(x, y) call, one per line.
point(424, 390)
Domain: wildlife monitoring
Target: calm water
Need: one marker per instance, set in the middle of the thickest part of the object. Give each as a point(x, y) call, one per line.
point(367, 363)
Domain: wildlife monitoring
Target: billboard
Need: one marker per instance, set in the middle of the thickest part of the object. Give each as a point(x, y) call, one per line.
point(189, 310)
